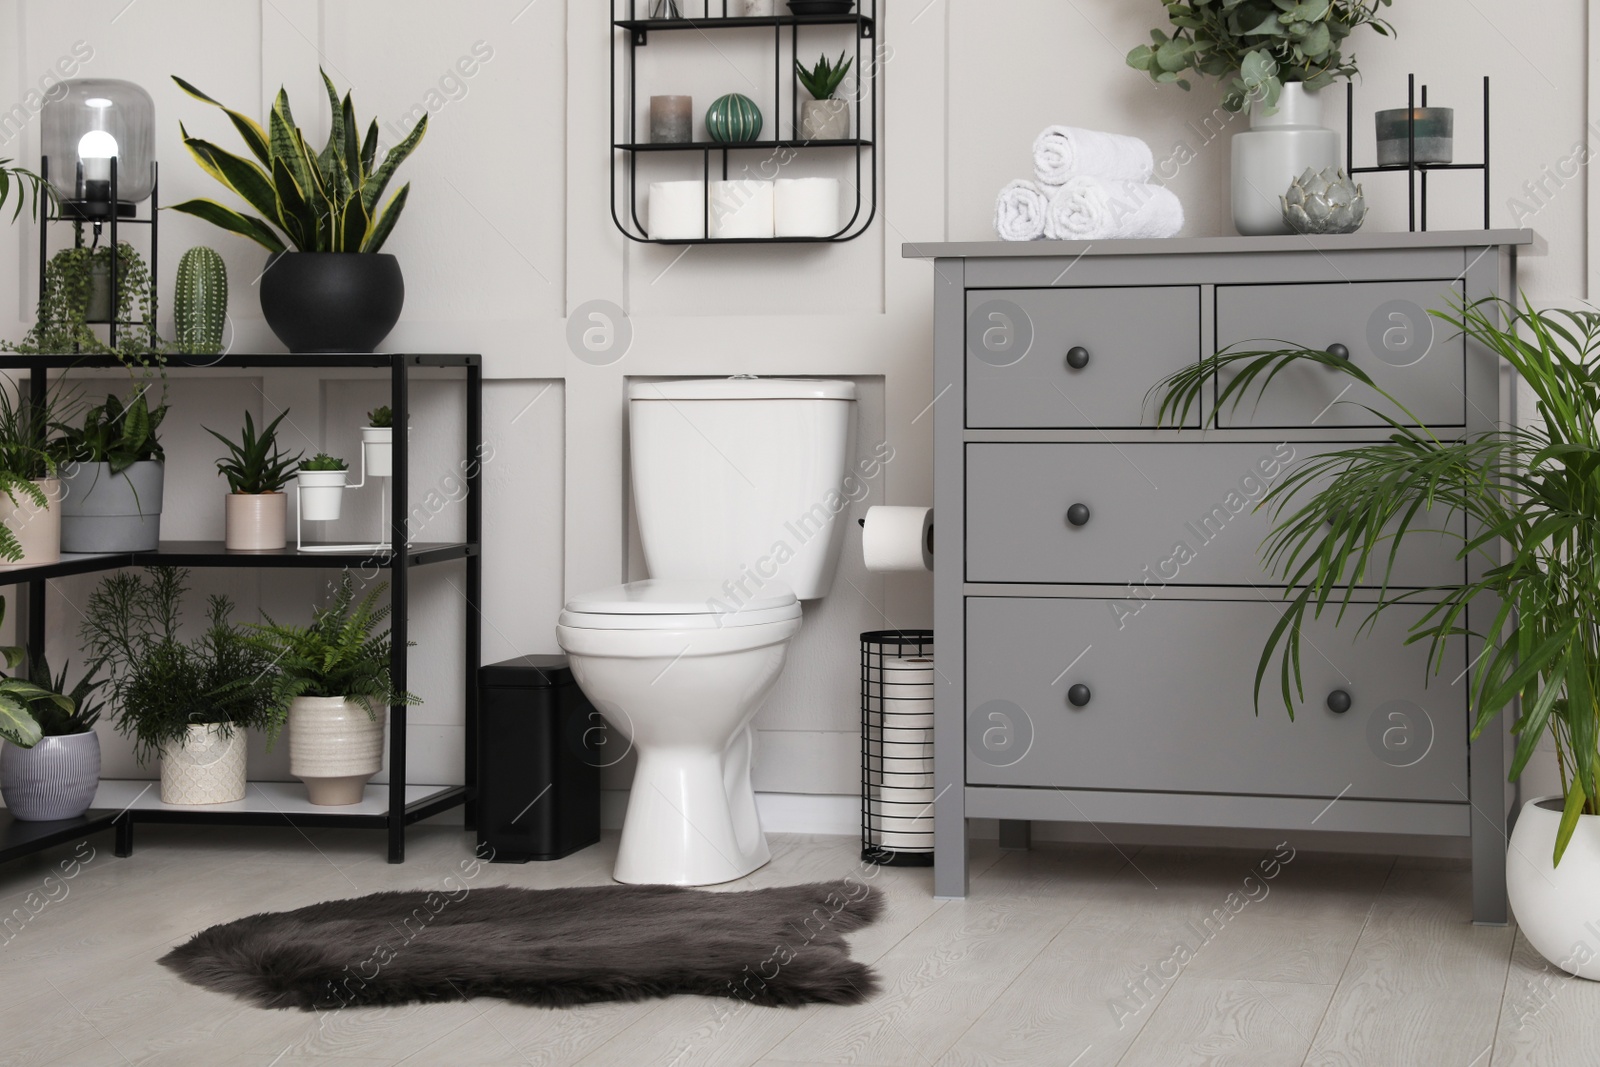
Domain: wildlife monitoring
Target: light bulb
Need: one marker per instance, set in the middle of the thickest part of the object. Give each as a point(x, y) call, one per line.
point(96, 149)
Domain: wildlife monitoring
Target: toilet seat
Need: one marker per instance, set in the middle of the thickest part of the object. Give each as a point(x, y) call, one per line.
point(675, 604)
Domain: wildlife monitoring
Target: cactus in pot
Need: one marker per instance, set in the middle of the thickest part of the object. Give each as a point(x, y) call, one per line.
point(200, 303)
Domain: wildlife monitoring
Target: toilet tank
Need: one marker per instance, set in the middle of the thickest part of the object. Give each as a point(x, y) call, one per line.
point(742, 480)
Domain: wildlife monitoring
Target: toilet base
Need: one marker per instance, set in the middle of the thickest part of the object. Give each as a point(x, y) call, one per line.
point(692, 818)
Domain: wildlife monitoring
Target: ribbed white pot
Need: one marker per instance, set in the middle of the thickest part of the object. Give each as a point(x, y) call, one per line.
point(321, 494)
point(204, 768)
point(1557, 907)
point(334, 747)
point(377, 445)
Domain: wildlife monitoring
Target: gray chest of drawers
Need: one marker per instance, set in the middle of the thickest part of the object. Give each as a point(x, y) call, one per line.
point(1100, 604)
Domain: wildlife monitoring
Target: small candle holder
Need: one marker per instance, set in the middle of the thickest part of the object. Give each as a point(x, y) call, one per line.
point(671, 119)
point(1430, 131)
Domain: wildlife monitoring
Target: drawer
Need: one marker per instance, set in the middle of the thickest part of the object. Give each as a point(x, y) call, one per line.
point(1018, 341)
point(1169, 704)
point(1410, 354)
point(1158, 514)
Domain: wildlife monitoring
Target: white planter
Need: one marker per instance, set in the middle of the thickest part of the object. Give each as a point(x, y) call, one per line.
point(38, 529)
point(205, 768)
point(376, 442)
point(1274, 151)
point(321, 494)
point(256, 522)
point(1557, 908)
point(334, 747)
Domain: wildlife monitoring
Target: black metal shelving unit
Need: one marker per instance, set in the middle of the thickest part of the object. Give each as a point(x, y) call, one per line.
point(394, 806)
point(1416, 173)
point(635, 33)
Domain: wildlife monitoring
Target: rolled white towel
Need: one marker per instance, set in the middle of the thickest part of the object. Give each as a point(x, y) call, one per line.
point(1061, 152)
point(1094, 209)
point(1019, 213)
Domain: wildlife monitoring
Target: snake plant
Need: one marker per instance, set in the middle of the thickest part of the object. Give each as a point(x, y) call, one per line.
point(310, 201)
point(1531, 498)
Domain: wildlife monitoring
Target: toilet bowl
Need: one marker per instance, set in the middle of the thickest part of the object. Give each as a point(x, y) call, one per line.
point(681, 681)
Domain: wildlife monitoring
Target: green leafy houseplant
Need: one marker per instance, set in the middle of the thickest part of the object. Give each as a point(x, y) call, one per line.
point(1535, 490)
point(255, 464)
point(62, 325)
point(29, 187)
point(21, 701)
point(327, 201)
point(324, 462)
point(823, 80)
point(114, 433)
point(1258, 44)
point(160, 684)
point(338, 655)
point(380, 418)
point(64, 710)
point(26, 457)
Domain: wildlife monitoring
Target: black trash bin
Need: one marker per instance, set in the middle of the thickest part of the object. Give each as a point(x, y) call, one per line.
point(538, 761)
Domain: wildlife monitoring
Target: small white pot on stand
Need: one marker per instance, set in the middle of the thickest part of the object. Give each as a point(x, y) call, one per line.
point(334, 747)
point(205, 768)
point(1557, 908)
point(321, 494)
point(377, 446)
point(1274, 151)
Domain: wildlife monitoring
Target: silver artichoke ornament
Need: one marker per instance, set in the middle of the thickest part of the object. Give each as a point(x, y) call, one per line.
point(1328, 202)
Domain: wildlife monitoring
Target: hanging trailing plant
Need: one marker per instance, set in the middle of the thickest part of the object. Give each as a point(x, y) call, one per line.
point(63, 323)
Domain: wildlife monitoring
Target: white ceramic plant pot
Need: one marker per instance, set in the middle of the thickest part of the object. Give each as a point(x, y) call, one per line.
point(1274, 151)
point(256, 522)
point(1557, 907)
point(105, 512)
point(376, 442)
point(38, 529)
point(205, 768)
point(334, 747)
point(321, 494)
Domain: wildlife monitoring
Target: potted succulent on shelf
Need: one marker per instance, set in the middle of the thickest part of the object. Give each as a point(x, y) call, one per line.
point(331, 682)
point(336, 291)
point(187, 703)
point(377, 442)
point(322, 479)
point(112, 470)
point(30, 507)
point(257, 508)
point(1531, 507)
point(1277, 57)
point(825, 117)
point(57, 776)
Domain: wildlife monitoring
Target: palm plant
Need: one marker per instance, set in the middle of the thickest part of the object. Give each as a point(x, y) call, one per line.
point(1535, 490)
point(338, 655)
point(255, 464)
point(31, 189)
point(823, 80)
point(311, 201)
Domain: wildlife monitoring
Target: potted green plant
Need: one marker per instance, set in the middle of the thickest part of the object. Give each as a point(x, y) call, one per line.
point(322, 479)
point(1275, 56)
point(1531, 502)
point(256, 518)
point(57, 776)
point(187, 703)
point(30, 508)
point(825, 117)
point(112, 473)
point(76, 295)
point(328, 286)
point(330, 681)
point(377, 441)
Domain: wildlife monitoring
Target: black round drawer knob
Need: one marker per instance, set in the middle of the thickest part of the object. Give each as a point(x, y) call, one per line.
point(1339, 350)
point(1078, 695)
point(1078, 358)
point(1338, 702)
point(1078, 514)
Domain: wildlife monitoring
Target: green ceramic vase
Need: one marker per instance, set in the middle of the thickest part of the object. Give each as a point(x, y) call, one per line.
point(733, 119)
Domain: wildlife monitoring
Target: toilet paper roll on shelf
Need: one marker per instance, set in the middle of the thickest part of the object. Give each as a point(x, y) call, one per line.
point(898, 539)
point(806, 207)
point(741, 208)
point(677, 211)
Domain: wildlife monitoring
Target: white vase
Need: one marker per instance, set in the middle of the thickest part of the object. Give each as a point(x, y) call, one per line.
point(1273, 152)
point(376, 446)
point(1557, 907)
point(205, 768)
point(334, 747)
point(321, 494)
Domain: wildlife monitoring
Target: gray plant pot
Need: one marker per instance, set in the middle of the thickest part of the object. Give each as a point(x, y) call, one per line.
point(105, 512)
point(55, 779)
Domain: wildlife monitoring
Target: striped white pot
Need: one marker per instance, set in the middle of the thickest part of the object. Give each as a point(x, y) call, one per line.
point(334, 747)
point(205, 768)
point(55, 779)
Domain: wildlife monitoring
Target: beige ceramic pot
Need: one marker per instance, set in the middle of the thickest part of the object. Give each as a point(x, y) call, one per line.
point(334, 747)
point(38, 529)
point(205, 768)
point(257, 522)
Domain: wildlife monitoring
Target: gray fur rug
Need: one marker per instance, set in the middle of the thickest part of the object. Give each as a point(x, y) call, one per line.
point(546, 947)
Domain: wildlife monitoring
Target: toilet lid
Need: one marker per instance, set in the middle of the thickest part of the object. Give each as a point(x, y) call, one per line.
point(667, 604)
point(744, 387)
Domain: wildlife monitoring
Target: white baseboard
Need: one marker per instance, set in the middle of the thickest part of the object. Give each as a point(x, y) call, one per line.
point(781, 813)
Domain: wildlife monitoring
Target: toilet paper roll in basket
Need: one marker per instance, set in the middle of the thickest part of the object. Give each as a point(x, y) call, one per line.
point(898, 539)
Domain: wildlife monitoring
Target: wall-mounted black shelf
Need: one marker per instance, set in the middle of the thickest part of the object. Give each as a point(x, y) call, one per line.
point(1418, 171)
point(630, 33)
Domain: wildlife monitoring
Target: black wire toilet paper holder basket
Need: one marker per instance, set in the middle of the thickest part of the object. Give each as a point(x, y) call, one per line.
point(876, 647)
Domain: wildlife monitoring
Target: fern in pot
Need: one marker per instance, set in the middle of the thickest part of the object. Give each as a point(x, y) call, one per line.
point(257, 470)
point(30, 475)
point(1530, 497)
point(112, 477)
point(186, 702)
point(321, 216)
point(55, 777)
point(331, 682)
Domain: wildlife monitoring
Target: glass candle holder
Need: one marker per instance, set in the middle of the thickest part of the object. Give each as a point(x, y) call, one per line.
point(1434, 135)
point(671, 119)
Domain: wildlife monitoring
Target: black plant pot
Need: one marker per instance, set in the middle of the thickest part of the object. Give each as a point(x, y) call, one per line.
point(332, 301)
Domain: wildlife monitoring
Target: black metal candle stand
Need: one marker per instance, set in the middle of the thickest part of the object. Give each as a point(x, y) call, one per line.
point(1417, 172)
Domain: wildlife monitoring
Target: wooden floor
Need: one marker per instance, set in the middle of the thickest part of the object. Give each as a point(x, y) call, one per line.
point(1062, 955)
